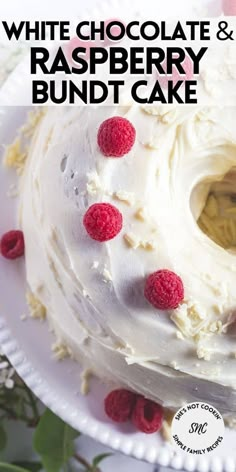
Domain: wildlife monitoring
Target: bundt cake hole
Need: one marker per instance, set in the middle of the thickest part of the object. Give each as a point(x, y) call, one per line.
point(218, 216)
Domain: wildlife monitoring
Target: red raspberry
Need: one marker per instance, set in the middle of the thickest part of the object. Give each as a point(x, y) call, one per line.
point(176, 76)
point(147, 415)
point(78, 43)
point(164, 289)
point(103, 221)
point(12, 245)
point(116, 137)
point(115, 31)
point(229, 7)
point(119, 405)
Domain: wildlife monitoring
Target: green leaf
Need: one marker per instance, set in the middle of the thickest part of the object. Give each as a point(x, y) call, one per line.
point(54, 441)
point(98, 459)
point(20, 407)
point(3, 438)
point(30, 466)
point(4, 467)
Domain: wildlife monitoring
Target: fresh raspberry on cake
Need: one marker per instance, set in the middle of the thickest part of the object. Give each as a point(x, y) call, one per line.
point(78, 43)
point(12, 244)
point(103, 221)
point(119, 405)
point(147, 415)
point(176, 76)
point(116, 136)
point(229, 7)
point(115, 31)
point(164, 290)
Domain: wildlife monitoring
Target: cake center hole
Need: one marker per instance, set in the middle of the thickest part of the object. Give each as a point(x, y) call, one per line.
point(218, 217)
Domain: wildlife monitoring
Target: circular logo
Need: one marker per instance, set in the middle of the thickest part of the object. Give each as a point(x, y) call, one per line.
point(197, 428)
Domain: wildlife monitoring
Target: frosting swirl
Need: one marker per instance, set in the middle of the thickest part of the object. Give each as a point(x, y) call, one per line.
point(93, 292)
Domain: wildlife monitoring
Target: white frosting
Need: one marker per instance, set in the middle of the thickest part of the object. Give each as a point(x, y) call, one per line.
point(93, 291)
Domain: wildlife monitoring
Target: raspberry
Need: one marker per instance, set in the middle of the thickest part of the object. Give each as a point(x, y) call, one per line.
point(187, 64)
point(147, 415)
point(229, 7)
point(12, 245)
point(119, 405)
point(103, 221)
point(115, 31)
point(78, 43)
point(164, 289)
point(116, 137)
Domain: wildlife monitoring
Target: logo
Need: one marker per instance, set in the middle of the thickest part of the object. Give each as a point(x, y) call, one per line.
point(197, 428)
